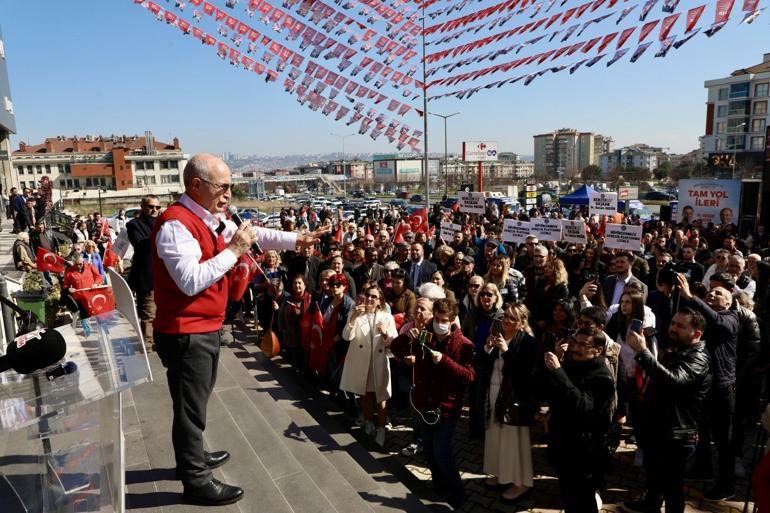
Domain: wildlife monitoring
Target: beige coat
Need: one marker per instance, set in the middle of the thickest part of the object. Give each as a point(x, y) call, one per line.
point(367, 353)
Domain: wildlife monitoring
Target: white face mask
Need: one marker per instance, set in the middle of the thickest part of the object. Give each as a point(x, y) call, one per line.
point(441, 329)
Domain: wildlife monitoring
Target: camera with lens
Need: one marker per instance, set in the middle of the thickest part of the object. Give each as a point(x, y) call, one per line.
point(667, 275)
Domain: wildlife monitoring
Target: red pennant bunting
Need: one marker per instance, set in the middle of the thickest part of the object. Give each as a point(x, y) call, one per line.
point(667, 25)
point(624, 36)
point(606, 41)
point(646, 29)
point(750, 5)
point(724, 7)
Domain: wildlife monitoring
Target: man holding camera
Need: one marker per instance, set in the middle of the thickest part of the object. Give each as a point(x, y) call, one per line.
point(679, 384)
point(721, 339)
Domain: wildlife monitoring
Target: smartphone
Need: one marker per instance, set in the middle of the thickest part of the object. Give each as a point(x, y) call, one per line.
point(636, 325)
point(497, 327)
point(592, 277)
point(425, 337)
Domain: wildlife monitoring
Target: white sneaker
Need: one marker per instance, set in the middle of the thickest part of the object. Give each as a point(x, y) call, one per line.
point(368, 428)
point(379, 437)
point(599, 502)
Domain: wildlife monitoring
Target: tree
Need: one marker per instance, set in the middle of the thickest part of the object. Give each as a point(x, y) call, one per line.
point(662, 171)
point(590, 173)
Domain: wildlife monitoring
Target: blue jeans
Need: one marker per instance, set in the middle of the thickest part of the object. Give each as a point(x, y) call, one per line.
point(437, 443)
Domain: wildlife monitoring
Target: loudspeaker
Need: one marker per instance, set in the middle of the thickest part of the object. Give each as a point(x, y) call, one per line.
point(665, 213)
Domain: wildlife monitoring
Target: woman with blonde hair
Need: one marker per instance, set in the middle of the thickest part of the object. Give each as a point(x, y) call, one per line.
point(509, 281)
point(508, 364)
point(91, 256)
point(549, 290)
point(366, 372)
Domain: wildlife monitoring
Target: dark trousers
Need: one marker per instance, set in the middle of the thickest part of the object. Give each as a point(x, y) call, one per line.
point(437, 444)
point(578, 488)
point(717, 421)
point(191, 368)
point(664, 462)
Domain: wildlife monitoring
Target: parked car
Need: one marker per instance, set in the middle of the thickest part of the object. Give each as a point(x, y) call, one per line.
point(658, 196)
point(417, 198)
point(403, 195)
point(112, 221)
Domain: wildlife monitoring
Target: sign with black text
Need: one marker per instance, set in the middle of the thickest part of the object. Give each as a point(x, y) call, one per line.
point(448, 230)
point(603, 203)
point(623, 236)
point(472, 202)
point(574, 231)
point(515, 231)
point(546, 228)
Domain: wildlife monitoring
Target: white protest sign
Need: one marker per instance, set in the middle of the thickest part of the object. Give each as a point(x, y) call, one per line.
point(574, 231)
point(122, 244)
point(472, 202)
point(623, 236)
point(448, 230)
point(603, 203)
point(515, 231)
point(546, 228)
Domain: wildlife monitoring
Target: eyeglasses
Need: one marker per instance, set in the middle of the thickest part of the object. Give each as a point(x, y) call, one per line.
point(372, 296)
point(474, 285)
point(152, 207)
point(219, 186)
point(486, 294)
point(335, 285)
point(511, 318)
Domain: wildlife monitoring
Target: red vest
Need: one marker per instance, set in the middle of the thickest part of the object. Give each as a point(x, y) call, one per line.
point(178, 313)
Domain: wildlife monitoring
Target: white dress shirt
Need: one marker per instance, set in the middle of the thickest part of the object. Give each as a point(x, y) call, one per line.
point(181, 252)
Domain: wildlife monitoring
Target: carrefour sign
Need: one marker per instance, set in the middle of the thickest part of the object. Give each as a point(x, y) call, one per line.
point(480, 151)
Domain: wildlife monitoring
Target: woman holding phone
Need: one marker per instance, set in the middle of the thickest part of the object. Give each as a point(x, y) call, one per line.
point(366, 372)
point(507, 366)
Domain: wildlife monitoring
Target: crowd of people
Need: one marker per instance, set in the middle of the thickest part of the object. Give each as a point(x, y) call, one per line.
point(668, 343)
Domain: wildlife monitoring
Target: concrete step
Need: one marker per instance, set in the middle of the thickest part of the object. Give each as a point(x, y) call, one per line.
point(365, 471)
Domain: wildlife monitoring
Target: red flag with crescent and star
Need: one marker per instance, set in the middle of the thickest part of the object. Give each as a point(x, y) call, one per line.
point(96, 300)
point(111, 258)
point(419, 220)
point(48, 261)
point(240, 276)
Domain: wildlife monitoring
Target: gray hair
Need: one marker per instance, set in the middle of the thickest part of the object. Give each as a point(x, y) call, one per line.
point(23, 236)
point(149, 197)
point(431, 291)
point(197, 167)
point(745, 300)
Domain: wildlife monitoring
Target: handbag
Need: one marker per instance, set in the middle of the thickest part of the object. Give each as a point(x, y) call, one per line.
point(510, 412)
point(269, 343)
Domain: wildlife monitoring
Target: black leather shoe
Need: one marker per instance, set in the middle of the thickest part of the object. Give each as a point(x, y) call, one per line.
point(214, 493)
point(216, 459)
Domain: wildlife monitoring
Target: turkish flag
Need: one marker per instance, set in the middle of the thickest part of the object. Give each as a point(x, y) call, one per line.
point(240, 276)
point(48, 261)
point(105, 229)
point(110, 257)
point(96, 300)
point(319, 345)
point(398, 235)
point(419, 220)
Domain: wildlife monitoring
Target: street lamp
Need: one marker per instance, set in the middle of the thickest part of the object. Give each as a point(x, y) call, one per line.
point(344, 176)
point(446, 153)
point(735, 149)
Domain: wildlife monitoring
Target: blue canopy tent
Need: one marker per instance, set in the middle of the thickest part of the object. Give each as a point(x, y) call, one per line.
point(579, 197)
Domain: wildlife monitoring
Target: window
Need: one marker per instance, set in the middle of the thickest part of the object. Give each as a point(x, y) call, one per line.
point(164, 164)
point(139, 165)
point(721, 127)
point(64, 168)
point(22, 184)
point(32, 184)
point(739, 90)
point(760, 108)
point(723, 92)
point(757, 143)
point(77, 183)
point(89, 183)
point(741, 108)
point(30, 170)
point(174, 178)
point(737, 125)
point(48, 169)
point(736, 142)
point(758, 125)
point(150, 165)
point(39, 169)
point(722, 111)
point(761, 90)
point(20, 170)
point(139, 181)
point(149, 180)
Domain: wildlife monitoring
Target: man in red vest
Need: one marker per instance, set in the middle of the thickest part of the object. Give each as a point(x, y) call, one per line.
point(193, 247)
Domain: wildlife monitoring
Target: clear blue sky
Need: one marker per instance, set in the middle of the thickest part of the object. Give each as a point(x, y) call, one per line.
point(105, 66)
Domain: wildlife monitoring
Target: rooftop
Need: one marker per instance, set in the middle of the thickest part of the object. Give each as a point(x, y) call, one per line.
point(95, 144)
point(763, 67)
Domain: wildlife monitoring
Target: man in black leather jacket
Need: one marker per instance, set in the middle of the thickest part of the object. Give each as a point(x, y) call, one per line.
point(678, 386)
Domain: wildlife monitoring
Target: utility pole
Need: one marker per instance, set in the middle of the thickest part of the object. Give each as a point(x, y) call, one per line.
point(446, 151)
point(344, 174)
point(425, 117)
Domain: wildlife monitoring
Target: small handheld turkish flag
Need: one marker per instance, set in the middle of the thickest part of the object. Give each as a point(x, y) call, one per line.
point(96, 300)
point(48, 261)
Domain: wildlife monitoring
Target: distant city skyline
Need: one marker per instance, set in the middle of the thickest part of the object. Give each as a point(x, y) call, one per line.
point(106, 67)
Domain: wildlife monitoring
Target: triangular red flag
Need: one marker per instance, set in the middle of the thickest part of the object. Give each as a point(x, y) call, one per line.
point(398, 235)
point(96, 300)
point(320, 345)
point(368, 230)
point(48, 261)
point(338, 234)
point(105, 228)
point(110, 257)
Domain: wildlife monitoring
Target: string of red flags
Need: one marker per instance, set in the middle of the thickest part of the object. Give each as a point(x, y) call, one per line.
point(672, 30)
point(321, 73)
point(551, 45)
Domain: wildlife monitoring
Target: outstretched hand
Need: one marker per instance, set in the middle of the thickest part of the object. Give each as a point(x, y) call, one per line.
point(308, 239)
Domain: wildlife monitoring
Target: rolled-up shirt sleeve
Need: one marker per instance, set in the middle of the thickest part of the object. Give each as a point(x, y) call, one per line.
point(276, 240)
point(181, 255)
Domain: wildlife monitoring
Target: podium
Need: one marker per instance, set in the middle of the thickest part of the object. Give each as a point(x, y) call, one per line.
point(61, 441)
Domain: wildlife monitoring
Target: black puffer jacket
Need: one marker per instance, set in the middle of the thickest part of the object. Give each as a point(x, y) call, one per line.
point(678, 386)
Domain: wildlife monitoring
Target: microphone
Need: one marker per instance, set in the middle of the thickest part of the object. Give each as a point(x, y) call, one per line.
point(61, 370)
point(34, 351)
point(233, 211)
